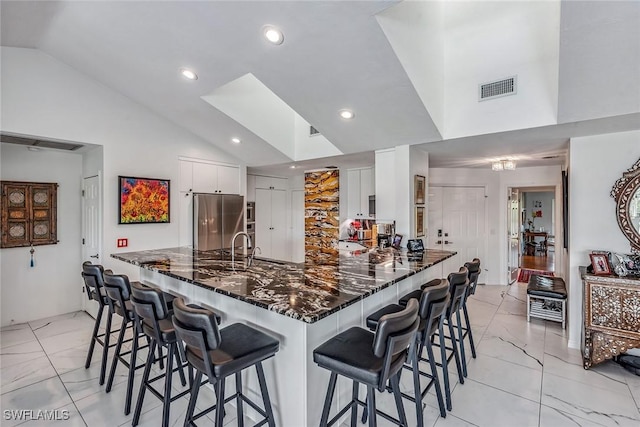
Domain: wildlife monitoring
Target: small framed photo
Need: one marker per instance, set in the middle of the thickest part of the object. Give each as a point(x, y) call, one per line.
point(419, 221)
point(600, 264)
point(420, 184)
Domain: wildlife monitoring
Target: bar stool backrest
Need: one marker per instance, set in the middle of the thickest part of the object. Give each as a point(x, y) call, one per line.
point(474, 273)
point(196, 326)
point(93, 281)
point(149, 304)
point(458, 284)
point(433, 304)
point(394, 334)
point(118, 289)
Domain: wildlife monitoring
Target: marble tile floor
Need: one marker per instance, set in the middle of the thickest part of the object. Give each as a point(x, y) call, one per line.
point(524, 375)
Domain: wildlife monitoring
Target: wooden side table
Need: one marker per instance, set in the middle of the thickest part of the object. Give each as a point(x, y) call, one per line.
point(611, 316)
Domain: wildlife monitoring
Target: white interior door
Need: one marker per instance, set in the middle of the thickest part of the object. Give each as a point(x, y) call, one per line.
point(457, 223)
point(513, 234)
point(91, 226)
point(297, 225)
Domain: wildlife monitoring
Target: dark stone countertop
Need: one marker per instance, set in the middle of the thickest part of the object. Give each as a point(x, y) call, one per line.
point(306, 292)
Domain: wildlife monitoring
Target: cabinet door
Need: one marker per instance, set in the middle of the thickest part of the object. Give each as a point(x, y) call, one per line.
point(353, 194)
point(205, 177)
point(186, 218)
point(279, 249)
point(186, 175)
point(280, 183)
point(366, 190)
point(263, 221)
point(228, 179)
point(263, 182)
point(251, 188)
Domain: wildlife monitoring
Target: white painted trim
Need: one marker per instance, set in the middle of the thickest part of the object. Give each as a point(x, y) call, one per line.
point(211, 162)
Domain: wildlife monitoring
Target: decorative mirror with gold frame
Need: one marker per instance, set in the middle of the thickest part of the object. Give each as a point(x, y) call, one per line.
point(626, 193)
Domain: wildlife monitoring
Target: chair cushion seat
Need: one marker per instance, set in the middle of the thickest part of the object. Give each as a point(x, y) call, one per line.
point(167, 331)
point(241, 347)
point(544, 286)
point(350, 354)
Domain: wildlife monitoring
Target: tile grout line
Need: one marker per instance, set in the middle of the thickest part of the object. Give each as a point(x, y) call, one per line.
point(59, 378)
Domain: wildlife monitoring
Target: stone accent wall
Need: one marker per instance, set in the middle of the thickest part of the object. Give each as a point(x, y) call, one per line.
point(322, 216)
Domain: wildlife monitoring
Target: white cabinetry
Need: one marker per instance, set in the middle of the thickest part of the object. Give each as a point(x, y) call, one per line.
point(271, 183)
point(360, 186)
point(201, 177)
point(271, 223)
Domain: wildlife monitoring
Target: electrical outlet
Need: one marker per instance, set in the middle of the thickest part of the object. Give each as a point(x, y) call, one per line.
point(122, 243)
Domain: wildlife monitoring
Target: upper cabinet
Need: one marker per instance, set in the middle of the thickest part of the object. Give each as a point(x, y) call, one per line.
point(271, 183)
point(360, 185)
point(200, 177)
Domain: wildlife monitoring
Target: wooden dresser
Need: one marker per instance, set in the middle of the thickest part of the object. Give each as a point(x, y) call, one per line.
point(611, 316)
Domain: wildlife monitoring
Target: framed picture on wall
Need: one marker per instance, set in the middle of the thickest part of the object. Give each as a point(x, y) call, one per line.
point(419, 221)
point(419, 184)
point(143, 200)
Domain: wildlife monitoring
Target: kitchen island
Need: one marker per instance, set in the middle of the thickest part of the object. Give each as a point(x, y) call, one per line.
point(300, 304)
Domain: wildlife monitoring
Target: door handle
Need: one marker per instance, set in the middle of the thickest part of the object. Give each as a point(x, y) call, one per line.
point(94, 256)
point(447, 242)
point(439, 242)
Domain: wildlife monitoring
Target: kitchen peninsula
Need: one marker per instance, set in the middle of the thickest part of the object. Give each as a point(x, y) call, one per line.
point(300, 304)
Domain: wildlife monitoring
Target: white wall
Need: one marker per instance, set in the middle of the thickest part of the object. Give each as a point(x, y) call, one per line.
point(53, 285)
point(595, 164)
point(43, 97)
point(486, 41)
point(599, 59)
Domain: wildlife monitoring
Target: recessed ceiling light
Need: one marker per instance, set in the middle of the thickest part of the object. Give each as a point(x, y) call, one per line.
point(188, 74)
point(236, 140)
point(273, 34)
point(292, 167)
point(346, 114)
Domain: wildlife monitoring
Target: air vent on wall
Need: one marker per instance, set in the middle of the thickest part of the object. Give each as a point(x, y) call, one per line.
point(40, 143)
point(313, 131)
point(498, 88)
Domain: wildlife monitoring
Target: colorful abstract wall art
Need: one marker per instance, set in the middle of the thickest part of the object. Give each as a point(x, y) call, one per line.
point(143, 200)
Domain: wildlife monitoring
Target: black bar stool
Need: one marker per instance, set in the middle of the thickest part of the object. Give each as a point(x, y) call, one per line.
point(118, 290)
point(474, 273)
point(94, 286)
point(434, 300)
point(371, 359)
point(220, 353)
point(458, 283)
point(154, 318)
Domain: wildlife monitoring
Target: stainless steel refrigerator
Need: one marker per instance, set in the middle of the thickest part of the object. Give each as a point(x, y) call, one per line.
point(216, 218)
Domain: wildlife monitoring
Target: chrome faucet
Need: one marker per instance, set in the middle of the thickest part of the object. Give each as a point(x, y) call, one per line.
point(233, 247)
point(253, 252)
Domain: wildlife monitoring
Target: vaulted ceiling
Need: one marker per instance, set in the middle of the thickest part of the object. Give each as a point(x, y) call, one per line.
point(409, 70)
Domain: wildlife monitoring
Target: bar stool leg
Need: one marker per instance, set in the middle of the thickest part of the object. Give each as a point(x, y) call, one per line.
point(143, 388)
point(371, 406)
point(265, 395)
point(105, 349)
point(220, 403)
point(355, 388)
point(456, 356)
point(416, 384)
point(239, 410)
point(463, 357)
point(166, 404)
point(114, 362)
point(445, 364)
point(466, 319)
point(327, 401)
point(395, 386)
point(180, 365)
point(436, 380)
point(94, 337)
point(132, 368)
point(195, 388)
